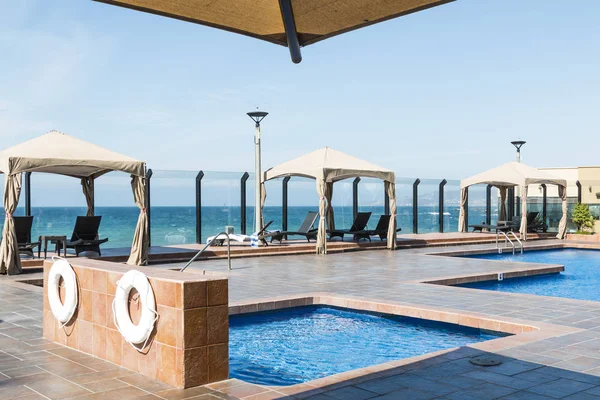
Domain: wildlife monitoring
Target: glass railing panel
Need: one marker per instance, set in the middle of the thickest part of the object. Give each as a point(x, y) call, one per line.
point(477, 204)
point(429, 205)
point(173, 207)
point(56, 201)
point(221, 202)
point(342, 203)
point(273, 205)
point(302, 198)
point(371, 198)
point(404, 204)
point(451, 205)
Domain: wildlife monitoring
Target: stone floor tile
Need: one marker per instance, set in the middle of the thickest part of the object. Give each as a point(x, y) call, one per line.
point(407, 393)
point(499, 379)
point(125, 393)
point(182, 394)
point(514, 367)
point(484, 391)
point(560, 388)
point(105, 385)
point(460, 381)
point(351, 393)
point(144, 383)
point(380, 386)
point(581, 363)
point(581, 396)
point(525, 395)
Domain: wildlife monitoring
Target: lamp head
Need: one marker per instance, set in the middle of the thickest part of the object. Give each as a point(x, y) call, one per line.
point(518, 144)
point(257, 116)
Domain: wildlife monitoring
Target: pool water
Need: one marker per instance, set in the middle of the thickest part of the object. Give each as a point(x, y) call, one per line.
point(580, 280)
point(300, 344)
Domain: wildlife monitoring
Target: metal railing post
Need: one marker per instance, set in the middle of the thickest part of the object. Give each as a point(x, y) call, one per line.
point(416, 205)
point(148, 208)
point(199, 206)
point(243, 202)
point(511, 203)
point(578, 191)
point(27, 193)
point(441, 205)
point(386, 202)
point(544, 202)
point(284, 204)
point(355, 197)
point(488, 204)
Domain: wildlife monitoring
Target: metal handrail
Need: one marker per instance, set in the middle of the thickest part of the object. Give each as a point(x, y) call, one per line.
point(207, 246)
point(519, 241)
point(505, 239)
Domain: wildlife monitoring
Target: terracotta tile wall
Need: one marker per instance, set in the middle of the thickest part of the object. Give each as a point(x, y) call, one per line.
point(189, 345)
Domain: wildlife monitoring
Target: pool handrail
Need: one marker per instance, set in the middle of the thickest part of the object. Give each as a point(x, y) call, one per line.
point(207, 246)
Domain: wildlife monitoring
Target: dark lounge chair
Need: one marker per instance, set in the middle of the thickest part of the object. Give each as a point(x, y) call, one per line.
point(85, 235)
point(358, 228)
point(306, 230)
point(381, 229)
point(23, 230)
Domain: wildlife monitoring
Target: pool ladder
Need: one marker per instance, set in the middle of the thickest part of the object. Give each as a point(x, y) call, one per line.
point(507, 239)
point(215, 240)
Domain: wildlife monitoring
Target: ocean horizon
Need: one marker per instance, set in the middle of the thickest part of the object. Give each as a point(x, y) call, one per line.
point(173, 225)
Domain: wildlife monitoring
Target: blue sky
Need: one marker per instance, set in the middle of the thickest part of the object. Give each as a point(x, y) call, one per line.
point(437, 94)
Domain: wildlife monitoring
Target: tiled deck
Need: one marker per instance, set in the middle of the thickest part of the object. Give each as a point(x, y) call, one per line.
point(560, 360)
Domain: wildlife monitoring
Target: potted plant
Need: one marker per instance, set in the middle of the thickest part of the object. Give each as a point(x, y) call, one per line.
point(583, 219)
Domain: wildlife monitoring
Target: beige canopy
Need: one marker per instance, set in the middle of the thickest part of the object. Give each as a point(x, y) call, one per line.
point(327, 166)
point(513, 174)
point(57, 153)
point(291, 23)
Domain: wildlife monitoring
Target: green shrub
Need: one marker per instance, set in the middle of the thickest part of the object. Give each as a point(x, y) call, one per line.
point(582, 217)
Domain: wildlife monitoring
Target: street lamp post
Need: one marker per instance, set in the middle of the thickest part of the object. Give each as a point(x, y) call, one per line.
point(518, 144)
point(257, 117)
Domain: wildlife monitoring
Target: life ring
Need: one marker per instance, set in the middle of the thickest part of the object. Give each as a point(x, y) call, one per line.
point(63, 312)
point(140, 333)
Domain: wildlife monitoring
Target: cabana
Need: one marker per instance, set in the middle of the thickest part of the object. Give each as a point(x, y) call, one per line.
point(327, 166)
point(57, 153)
point(514, 174)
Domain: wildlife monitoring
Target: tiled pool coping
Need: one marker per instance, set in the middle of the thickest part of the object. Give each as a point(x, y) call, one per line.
point(522, 332)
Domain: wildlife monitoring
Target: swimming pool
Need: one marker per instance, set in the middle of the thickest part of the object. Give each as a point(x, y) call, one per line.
point(296, 345)
point(580, 280)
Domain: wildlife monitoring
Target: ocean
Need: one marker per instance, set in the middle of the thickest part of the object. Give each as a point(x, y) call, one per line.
point(177, 225)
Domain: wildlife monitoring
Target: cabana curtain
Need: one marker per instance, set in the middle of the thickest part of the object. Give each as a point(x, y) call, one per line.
point(562, 225)
point(87, 185)
point(328, 166)
point(57, 153)
point(390, 188)
point(10, 262)
point(523, 228)
point(462, 224)
point(139, 247)
point(329, 213)
point(503, 192)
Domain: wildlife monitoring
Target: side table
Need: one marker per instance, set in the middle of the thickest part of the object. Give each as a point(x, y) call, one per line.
point(59, 240)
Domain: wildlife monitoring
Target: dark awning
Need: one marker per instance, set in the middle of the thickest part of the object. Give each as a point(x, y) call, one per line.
point(291, 23)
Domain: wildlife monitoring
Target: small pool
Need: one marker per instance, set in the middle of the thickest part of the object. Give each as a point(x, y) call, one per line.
point(580, 280)
point(300, 344)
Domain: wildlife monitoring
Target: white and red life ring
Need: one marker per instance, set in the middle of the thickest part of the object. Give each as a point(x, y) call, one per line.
point(62, 311)
point(140, 333)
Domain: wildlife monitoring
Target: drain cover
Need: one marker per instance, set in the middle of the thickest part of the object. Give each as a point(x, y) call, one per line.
point(485, 361)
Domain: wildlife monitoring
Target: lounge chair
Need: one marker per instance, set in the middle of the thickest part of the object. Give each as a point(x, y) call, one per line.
point(23, 230)
point(85, 235)
point(306, 230)
point(357, 230)
point(381, 229)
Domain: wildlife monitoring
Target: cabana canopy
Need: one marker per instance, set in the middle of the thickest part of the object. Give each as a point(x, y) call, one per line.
point(291, 23)
point(510, 175)
point(327, 166)
point(57, 153)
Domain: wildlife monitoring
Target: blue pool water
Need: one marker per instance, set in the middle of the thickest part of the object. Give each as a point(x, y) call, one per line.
point(580, 280)
point(300, 344)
